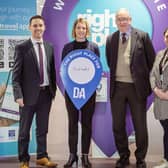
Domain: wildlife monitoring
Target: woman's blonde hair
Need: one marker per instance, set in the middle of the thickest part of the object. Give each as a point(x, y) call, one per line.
point(80, 20)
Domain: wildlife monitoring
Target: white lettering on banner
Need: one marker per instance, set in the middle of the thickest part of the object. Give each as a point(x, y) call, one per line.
point(14, 27)
point(91, 56)
point(79, 93)
point(100, 24)
point(59, 5)
point(161, 5)
point(156, 1)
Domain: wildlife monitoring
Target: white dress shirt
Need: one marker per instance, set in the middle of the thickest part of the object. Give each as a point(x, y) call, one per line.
point(35, 45)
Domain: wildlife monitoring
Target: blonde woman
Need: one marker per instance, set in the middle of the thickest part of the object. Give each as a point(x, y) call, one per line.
point(80, 33)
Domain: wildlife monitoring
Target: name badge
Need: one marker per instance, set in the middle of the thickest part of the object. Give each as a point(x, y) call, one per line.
point(80, 72)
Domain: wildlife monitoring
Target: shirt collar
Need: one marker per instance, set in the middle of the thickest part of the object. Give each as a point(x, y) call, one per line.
point(127, 34)
point(36, 41)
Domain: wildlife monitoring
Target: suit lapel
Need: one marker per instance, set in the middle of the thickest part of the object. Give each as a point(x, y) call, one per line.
point(115, 43)
point(33, 54)
point(46, 48)
point(133, 42)
point(166, 63)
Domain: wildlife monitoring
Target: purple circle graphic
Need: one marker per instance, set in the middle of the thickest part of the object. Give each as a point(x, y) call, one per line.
point(159, 12)
point(56, 14)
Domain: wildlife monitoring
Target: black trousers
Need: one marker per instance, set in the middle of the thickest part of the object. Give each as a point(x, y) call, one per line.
point(86, 122)
point(164, 124)
point(41, 109)
point(124, 94)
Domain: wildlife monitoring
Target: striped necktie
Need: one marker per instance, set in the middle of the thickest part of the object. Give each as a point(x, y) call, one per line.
point(124, 38)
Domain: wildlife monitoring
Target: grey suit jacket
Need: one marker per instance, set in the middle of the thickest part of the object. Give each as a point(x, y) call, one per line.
point(160, 106)
point(26, 77)
point(142, 56)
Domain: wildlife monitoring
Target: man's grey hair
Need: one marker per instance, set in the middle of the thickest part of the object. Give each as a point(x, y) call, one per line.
point(123, 10)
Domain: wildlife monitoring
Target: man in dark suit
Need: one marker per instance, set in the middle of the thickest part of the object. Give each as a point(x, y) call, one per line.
point(130, 56)
point(34, 86)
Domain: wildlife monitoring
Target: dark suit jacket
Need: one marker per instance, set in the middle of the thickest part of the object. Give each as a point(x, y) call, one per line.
point(26, 77)
point(142, 58)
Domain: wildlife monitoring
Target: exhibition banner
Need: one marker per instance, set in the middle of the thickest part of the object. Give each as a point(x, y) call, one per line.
point(149, 16)
point(14, 20)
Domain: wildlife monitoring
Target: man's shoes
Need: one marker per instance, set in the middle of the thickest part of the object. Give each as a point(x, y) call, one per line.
point(24, 165)
point(45, 162)
point(140, 164)
point(122, 162)
point(163, 164)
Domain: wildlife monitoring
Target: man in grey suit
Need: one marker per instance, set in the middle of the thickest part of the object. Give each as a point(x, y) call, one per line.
point(130, 56)
point(34, 86)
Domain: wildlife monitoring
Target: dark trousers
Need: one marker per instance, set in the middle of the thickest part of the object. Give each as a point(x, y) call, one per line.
point(124, 94)
point(41, 109)
point(164, 124)
point(86, 122)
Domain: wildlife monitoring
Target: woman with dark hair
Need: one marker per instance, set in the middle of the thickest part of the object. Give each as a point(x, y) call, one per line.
point(159, 84)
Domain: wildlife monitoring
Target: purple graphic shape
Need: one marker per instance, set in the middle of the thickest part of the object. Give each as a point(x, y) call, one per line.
point(56, 32)
point(56, 28)
point(159, 12)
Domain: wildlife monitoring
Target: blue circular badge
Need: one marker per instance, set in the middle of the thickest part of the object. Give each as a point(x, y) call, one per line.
point(80, 73)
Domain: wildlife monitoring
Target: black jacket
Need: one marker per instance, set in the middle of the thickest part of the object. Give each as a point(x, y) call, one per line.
point(26, 77)
point(142, 58)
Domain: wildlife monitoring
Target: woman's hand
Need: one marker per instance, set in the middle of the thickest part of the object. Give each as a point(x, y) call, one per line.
point(160, 93)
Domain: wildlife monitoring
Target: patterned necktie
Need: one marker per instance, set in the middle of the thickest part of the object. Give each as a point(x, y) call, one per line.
point(124, 38)
point(41, 63)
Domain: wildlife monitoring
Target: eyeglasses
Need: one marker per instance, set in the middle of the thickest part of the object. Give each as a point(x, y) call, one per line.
point(123, 19)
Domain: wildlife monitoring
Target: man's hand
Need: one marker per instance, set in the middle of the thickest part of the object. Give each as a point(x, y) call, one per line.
point(20, 102)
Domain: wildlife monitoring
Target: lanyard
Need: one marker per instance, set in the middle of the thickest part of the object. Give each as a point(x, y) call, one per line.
point(163, 62)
